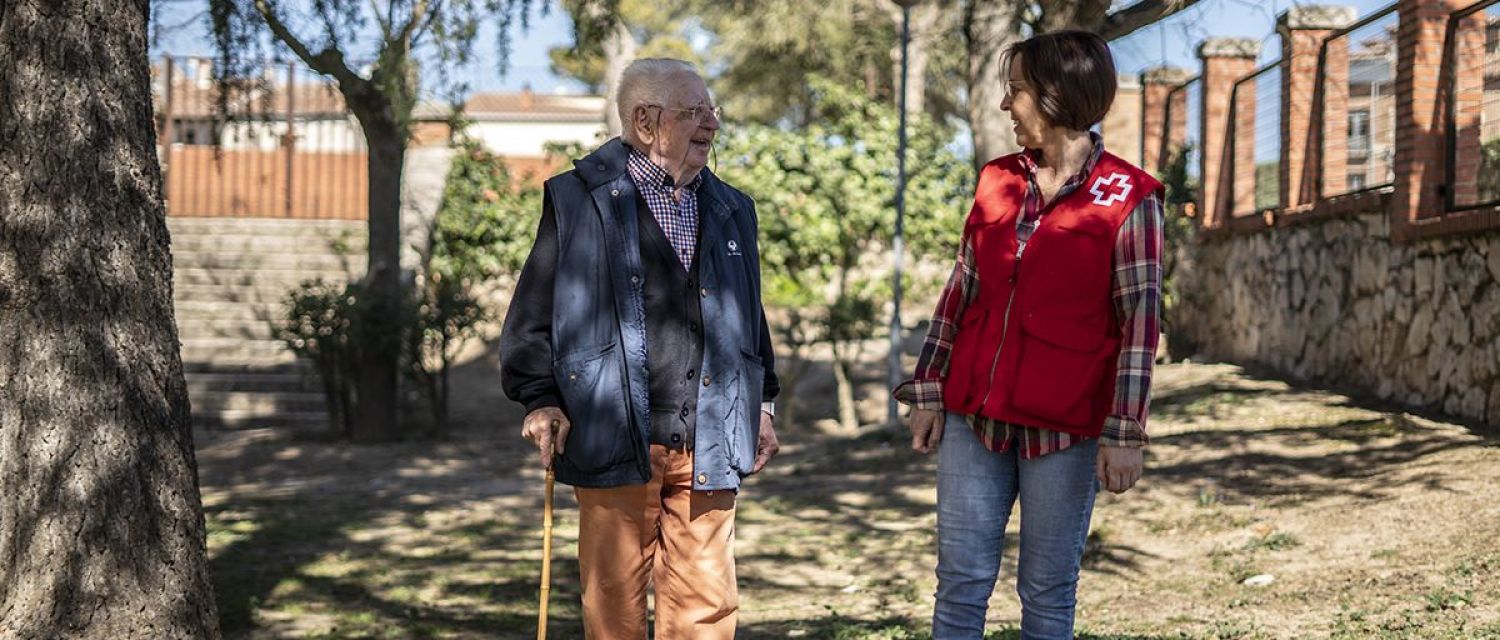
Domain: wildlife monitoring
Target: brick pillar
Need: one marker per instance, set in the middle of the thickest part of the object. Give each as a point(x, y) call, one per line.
point(1334, 143)
point(1467, 69)
point(1420, 150)
point(1159, 135)
point(1224, 60)
point(1303, 30)
point(1240, 196)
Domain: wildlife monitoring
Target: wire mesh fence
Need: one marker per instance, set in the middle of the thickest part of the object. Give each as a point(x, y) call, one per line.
point(1473, 85)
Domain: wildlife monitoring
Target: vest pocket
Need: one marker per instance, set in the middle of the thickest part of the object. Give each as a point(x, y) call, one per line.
point(591, 381)
point(744, 412)
point(1062, 367)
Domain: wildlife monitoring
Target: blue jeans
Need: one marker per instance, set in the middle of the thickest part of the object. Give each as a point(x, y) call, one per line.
point(976, 490)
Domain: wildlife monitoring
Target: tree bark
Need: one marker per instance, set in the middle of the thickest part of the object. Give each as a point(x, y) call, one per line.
point(989, 27)
point(619, 50)
point(926, 27)
point(101, 526)
point(848, 409)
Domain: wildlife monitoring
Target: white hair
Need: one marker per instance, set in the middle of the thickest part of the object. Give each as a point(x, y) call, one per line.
point(646, 81)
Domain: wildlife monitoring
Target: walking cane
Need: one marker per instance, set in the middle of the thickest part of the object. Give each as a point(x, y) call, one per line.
point(541, 622)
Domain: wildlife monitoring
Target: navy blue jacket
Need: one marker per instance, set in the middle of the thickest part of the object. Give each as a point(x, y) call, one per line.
point(585, 349)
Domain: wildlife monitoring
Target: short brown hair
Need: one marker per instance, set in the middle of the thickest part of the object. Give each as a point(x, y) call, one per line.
point(1072, 73)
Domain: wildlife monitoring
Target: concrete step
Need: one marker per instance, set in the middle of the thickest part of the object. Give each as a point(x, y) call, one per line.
point(257, 403)
point(204, 382)
point(186, 310)
point(235, 351)
point(280, 366)
point(185, 226)
point(236, 328)
point(276, 244)
point(269, 276)
point(252, 296)
point(250, 419)
point(302, 262)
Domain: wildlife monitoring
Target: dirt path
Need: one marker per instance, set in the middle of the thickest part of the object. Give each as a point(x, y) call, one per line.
point(1372, 525)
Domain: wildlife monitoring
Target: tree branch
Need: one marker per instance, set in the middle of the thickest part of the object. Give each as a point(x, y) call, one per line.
point(383, 20)
point(329, 61)
point(1141, 14)
point(418, 12)
point(432, 15)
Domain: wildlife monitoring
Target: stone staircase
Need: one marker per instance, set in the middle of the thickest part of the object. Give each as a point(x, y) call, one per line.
point(230, 280)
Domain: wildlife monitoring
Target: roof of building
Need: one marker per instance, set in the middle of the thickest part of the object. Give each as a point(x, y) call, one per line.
point(526, 105)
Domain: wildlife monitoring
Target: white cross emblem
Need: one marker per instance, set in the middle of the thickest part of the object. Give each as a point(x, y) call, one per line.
point(1119, 187)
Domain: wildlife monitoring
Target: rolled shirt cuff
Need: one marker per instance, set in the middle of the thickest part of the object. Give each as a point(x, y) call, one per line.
point(1123, 431)
point(920, 394)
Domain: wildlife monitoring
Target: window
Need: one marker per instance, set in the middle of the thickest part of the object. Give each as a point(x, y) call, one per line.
point(1356, 181)
point(1359, 133)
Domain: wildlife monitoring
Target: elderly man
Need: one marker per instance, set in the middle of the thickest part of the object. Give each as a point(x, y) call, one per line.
point(637, 341)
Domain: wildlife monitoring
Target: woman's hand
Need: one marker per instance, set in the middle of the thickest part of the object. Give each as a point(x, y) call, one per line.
point(926, 429)
point(1119, 468)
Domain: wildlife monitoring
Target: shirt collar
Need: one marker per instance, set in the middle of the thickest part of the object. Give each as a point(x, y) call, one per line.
point(1028, 159)
point(648, 173)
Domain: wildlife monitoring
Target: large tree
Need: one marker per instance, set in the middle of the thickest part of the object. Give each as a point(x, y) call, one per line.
point(101, 528)
point(371, 50)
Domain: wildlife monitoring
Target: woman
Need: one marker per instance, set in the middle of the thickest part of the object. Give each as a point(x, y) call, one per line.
point(1035, 377)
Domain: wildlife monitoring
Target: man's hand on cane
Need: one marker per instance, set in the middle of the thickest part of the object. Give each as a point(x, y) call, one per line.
point(547, 428)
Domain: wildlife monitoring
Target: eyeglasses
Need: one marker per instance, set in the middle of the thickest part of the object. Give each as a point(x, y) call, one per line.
point(1014, 87)
point(697, 112)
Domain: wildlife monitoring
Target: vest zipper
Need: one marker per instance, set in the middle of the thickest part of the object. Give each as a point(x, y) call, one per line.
point(1004, 330)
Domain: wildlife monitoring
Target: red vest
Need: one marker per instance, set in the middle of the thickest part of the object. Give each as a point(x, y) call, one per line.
point(1038, 344)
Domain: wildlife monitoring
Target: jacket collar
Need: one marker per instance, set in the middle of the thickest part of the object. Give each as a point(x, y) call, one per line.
point(608, 163)
point(604, 165)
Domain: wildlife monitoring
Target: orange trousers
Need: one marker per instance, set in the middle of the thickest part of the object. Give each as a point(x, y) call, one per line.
point(664, 534)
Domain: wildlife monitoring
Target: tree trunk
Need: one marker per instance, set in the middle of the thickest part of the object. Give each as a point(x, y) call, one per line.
point(101, 527)
point(791, 377)
point(989, 27)
point(848, 416)
point(619, 50)
point(926, 28)
point(375, 400)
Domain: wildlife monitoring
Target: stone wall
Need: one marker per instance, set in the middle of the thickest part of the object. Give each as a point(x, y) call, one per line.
point(1336, 301)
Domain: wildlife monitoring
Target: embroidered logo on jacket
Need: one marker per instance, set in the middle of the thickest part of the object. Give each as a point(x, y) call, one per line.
point(734, 248)
point(1108, 191)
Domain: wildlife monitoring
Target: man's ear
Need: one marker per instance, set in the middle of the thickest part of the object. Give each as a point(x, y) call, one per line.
point(645, 127)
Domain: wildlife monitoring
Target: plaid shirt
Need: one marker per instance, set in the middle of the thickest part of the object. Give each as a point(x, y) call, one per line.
point(1137, 296)
point(675, 208)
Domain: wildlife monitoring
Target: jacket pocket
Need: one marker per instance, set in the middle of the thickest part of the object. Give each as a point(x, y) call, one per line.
point(744, 423)
point(1063, 363)
point(591, 381)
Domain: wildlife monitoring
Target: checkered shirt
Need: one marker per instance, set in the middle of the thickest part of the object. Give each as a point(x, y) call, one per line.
point(675, 208)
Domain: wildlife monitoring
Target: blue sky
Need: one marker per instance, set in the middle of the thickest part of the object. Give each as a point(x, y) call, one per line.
point(1172, 41)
